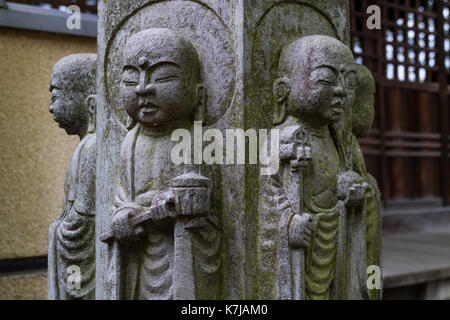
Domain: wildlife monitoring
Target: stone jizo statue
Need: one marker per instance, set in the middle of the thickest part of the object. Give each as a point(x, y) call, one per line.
point(71, 257)
point(164, 236)
point(314, 211)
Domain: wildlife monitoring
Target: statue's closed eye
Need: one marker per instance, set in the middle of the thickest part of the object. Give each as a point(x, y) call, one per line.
point(328, 82)
point(324, 75)
point(166, 79)
point(130, 83)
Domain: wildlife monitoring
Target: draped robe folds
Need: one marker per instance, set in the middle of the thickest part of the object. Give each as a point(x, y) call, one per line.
point(71, 237)
point(146, 269)
point(344, 239)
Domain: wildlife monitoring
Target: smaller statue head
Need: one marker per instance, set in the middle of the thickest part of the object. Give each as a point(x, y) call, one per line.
point(363, 111)
point(73, 86)
point(317, 80)
point(161, 79)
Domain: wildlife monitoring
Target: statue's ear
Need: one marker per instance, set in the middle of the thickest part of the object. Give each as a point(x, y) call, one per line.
point(200, 109)
point(91, 103)
point(281, 90)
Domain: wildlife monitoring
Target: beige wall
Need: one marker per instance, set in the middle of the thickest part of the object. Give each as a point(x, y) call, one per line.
point(34, 151)
point(26, 286)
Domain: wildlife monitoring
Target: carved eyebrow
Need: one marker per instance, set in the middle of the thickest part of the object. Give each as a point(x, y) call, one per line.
point(153, 66)
point(326, 66)
point(350, 70)
point(161, 63)
point(129, 67)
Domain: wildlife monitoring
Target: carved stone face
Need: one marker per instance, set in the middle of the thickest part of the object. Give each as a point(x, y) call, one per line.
point(65, 106)
point(73, 78)
point(160, 76)
point(322, 77)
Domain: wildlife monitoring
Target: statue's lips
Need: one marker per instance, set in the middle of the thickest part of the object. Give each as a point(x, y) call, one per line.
point(338, 108)
point(60, 124)
point(149, 110)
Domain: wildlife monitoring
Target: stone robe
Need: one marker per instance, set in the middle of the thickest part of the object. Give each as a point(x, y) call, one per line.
point(334, 265)
point(147, 269)
point(71, 236)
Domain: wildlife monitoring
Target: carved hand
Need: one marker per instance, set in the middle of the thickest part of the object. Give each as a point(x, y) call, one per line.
point(162, 206)
point(303, 158)
point(122, 226)
point(352, 188)
point(300, 230)
point(356, 194)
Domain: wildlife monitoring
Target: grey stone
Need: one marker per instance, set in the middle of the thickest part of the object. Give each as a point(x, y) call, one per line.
point(71, 236)
point(316, 210)
point(163, 228)
point(243, 220)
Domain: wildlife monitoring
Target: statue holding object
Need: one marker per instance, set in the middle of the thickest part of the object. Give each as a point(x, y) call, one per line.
point(165, 234)
point(314, 212)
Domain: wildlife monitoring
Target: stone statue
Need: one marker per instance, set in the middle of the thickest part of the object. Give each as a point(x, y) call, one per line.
point(362, 115)
point(314, 214)
point(71, 253)
point(164, 238)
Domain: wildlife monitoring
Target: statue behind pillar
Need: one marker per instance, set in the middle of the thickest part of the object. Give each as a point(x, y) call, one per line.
point(71, 236)
point(164, 237)
point(314, 212)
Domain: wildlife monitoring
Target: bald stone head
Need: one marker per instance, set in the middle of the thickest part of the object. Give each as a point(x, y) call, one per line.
point(363, 111)
point(161, 78)
point(73, 80)
point(317, 77)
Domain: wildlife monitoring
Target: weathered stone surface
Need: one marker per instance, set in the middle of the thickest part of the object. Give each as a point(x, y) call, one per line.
point(71, 236)
point(165, 238)
point(208, 26)
point(316, 213)
point(237, 45)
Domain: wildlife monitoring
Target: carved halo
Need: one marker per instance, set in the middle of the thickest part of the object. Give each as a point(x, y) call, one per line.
point(207, 32)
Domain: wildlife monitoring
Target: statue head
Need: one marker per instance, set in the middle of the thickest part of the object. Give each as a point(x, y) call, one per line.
point(73, 86)
point(161, 79)
point(317, 80)
point(363, 111)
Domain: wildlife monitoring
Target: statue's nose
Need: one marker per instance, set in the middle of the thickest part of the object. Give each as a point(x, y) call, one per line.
point(143, 89)
point(51, 108)
point(339, 90)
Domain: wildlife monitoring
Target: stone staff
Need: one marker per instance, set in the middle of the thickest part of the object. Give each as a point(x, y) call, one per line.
point(190, 215)
point(295, 152)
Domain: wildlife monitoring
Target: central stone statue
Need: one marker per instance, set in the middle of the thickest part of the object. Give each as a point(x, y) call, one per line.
point(164, 236)
point(321, 203)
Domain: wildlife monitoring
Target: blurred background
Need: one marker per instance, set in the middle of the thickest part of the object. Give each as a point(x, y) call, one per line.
point(408, 147)
point(407, 150)
point(34, 151)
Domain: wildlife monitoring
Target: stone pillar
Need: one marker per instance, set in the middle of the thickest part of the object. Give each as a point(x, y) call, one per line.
point(239, 44)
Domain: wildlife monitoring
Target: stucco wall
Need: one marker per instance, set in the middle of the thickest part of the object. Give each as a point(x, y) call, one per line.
point(34, 151)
